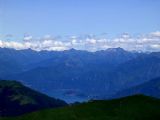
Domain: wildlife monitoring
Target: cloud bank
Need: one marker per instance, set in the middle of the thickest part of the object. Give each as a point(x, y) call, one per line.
point(149, 42)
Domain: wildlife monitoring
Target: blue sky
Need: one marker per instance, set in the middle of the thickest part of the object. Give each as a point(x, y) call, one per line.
point(75, 17)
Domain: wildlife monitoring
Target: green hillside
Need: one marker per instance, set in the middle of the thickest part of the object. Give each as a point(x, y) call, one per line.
point(136, 107)
point(17, 99)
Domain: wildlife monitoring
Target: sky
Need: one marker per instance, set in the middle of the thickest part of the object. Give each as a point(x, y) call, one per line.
point(37, 19)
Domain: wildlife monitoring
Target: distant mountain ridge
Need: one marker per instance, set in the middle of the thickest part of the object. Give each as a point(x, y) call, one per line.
point(150, 88)
point(92, 73)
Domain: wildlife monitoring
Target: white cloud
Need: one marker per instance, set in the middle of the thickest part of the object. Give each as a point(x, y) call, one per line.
point(27, 37)
point(156, 46)
point(148, 42)
point(156, 34)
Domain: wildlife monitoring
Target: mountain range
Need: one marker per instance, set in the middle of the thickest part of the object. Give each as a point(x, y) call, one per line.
point(79, 73)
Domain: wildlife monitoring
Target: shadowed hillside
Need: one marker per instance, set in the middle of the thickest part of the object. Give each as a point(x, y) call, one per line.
point(16, 99)
point(136, 107)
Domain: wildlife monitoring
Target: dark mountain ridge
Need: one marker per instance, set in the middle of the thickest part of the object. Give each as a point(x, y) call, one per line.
point(16, 99)
point(149, 88)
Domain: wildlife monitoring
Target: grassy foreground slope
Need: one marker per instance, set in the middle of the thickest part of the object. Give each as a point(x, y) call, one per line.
point(136, 107)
